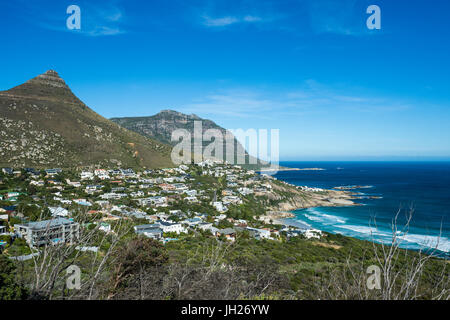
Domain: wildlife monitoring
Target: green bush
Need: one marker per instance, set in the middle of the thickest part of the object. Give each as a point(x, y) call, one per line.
point(9, 288)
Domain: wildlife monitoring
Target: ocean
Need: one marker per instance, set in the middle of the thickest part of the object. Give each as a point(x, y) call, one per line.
point(423, 187)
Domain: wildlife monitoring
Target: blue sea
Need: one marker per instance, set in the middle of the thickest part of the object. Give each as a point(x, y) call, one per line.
point(423, 187)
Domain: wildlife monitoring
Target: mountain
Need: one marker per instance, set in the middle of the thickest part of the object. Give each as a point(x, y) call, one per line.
point(161, 126)
point(43, 124)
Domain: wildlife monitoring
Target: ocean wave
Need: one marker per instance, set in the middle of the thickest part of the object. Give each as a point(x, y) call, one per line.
point(317, 216)
point(428, 241)
point(365, 230)
point(296, 223)
point(338, 224)
point(409, 240)
point(303, 223)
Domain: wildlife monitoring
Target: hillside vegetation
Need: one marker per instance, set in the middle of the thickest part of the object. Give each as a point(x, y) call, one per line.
point(43, 124)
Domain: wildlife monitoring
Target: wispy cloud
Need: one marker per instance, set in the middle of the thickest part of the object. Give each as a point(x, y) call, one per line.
point(229, 20)
point(344, 17)
point(219, 22)
point(311, 97)
point(232, 103)
point(103, 18)
point(223, 13)
point(104, 31)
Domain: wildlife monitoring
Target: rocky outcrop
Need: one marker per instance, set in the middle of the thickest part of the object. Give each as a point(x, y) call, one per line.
point(50, 78)
point(290, 198)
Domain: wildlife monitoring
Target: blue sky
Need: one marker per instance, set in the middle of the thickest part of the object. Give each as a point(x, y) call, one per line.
point(311, 68)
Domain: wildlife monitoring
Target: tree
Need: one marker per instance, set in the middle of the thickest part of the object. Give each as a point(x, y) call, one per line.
point(9, 288)
point(403, 274)
point(132, 259)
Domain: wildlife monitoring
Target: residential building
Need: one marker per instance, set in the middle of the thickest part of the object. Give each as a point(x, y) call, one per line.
point(192, 222)
point(87, 175)
point(259, 233)
point(228, 233)
point(49, 232)
point(52, 172)
point(168, 226)
point(149, 230)
point(204, 226)
point(105, 227)
point(8, 170)
point(153, 201)
point(219, 206)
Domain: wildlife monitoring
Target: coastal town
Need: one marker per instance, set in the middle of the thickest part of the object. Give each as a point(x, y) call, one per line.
point(51, 206)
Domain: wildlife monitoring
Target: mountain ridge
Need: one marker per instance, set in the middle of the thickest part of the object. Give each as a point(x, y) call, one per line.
point(42, 123)
point(161, 125)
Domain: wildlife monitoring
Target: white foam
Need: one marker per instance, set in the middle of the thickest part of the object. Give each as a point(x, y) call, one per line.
point(427, 241)
point(303, 223)
point(316, 215)
point(365, 230)
point(313, 218)
point(418, 241)
point(411, 240)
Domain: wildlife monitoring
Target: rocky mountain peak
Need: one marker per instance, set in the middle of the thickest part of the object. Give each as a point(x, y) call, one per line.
point(43, 124)
point(169, 112)
point(50, 78)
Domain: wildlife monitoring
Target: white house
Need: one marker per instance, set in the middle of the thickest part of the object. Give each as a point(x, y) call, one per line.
point(219, 206)
point(57, 230)
point(259, 233)
point(101, 174)
point(105, 227)
point(58, 212)
point(149, 230)
point(245, 191)
point(232, 199)
point(75, 184)
point(87, 175)
point(157, 201)
point(204, 226)
point(192, 222)
point(110, 196)
point(313, 233)
point(168, 226)
point(191, 199)
point(190, 193)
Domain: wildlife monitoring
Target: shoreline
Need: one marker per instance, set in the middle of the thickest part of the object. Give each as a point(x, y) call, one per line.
point(325, 198)
point(437, 249)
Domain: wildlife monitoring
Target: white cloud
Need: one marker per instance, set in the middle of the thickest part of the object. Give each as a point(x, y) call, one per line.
point(311, 97)
point(219, 22)
point(344, 17)
point(252, 19)
point(104, 31)
point(102, 20)
point(231, 103)
point(228, 20)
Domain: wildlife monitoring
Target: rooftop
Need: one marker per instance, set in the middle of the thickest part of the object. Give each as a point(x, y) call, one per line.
point(48, 223)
